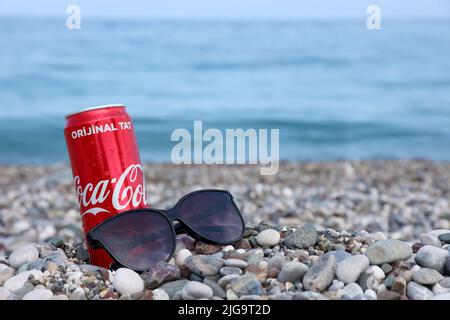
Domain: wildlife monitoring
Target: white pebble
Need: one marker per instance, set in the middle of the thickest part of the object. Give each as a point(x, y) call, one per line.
point(240, 251)
point(127, 281)
point(4, 293)
point(181, 256)
point(370, 293)
point(228, 248)
point(38, 294)
point(268, 238)
point(15, 283)
point(160, 294)
point(22, 255)
point(376, 272)
point(196, 290)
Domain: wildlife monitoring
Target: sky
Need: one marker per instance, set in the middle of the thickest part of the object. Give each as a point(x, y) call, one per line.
point(230, 9)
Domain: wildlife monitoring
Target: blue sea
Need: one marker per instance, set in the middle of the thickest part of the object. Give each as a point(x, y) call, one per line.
point(334, 88)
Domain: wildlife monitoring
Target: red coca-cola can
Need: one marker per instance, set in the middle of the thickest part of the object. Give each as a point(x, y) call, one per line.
point(106, 166)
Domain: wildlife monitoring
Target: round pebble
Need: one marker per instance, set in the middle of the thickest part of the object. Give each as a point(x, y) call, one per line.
point(268, 238)
point(181, 257)
point(351, 268)
point(38, 294)
point(196, 290)
point(127, 281)
point(25, 254)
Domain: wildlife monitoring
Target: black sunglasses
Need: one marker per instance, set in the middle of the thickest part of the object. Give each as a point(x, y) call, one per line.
point(138, 239)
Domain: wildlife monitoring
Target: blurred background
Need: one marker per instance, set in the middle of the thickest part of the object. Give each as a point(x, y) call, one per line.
point(334, 88)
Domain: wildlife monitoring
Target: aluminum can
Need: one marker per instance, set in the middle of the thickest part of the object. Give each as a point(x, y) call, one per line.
point(107, 171)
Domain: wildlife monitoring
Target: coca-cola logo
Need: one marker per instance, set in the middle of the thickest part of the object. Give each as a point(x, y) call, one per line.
point(123, 191)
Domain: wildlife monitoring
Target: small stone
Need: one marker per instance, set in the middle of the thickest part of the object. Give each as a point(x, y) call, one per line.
point(371, 294)
point(52, 267)
point(416, 291)
point(302, 238)
point(236, 263)
point(26, 254)
point(389, 281)
point(196, 290)
point(444, 237)
point(321, 274)
point(292, 271)
point(173, 287)
point(82, 253)
point(38, 294)
point(230, 295)
point(255, 256)
point(427, 276)
point(224, 281)
point(206, 248)
point(246, 284)
point(185, 242)
point(230, 270)
point(376, 272)
point(15, 283)
point(160, 273)
point(277, 261)
point(308, 295)
point(4, 293)
point(127, 281)
point(442, 296)
point(181, 257)
point(78, 294)
point(216, 288)
point(352, 290)
point(428, 239)
point(432, 257)
point(442, 286)
point(386, 251)
point(386, 267)
point(351, 268)
point(340, 255)
point(57, 241)
point(261, 273)
point(203, 265)
point(160, 294)
point(389, 295)
point(399, 286)
point(5, 274)
point(268, 238)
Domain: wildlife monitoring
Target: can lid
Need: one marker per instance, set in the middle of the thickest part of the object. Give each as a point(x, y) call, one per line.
point(104, 106)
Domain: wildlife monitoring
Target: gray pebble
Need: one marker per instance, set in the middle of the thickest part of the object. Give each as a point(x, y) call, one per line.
point(204, 265)
point(292, 271)
point(302, 238)
point(432, 257)
point(225, 271)
point(321, 274)
point(246, 284)
point(416, 291)
point(427, 276)
point(386, 251)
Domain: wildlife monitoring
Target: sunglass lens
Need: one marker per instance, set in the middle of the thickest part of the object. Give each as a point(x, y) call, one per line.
point(213, 215)
point(137, 239)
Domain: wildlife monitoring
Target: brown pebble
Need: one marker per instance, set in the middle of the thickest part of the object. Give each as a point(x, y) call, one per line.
point(242, 244)
point(206, 248)
point(399, 286)
point(260, 273)
point(184, 271)
point(389, 295)
point(416, 246)
point(273, 272)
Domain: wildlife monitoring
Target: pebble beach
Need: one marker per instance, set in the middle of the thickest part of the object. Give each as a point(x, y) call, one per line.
point(344, 230)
